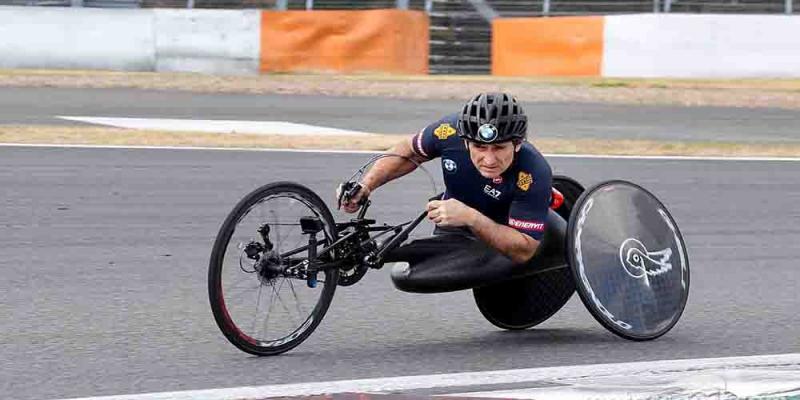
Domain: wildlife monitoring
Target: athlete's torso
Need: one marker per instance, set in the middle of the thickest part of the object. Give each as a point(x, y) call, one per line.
point(520, 197)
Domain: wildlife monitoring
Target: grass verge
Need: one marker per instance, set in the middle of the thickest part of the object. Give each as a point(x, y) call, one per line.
point(377, 142)
point(7, 76)
point(780, 93)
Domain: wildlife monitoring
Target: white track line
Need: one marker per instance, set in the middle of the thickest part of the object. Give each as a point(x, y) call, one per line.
point(628, 371)
point(674, 158)
point(214, 126)
point(333, 151)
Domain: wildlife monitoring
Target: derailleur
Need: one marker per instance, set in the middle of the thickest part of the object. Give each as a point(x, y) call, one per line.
point(254, 249)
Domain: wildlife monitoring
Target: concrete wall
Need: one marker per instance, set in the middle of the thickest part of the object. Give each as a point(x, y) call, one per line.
point(209, 41)
point(37, 37)
point(565, 46)
point(393, 41)
point(716, 46)
point(649, 45)
point(214, 41)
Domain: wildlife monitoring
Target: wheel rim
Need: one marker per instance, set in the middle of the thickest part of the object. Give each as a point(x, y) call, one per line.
point(262, 309)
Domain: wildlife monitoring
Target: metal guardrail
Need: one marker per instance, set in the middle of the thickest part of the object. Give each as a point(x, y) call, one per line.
point(485, 8)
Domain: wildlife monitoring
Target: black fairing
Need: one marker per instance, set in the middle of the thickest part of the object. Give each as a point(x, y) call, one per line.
point(446, 263)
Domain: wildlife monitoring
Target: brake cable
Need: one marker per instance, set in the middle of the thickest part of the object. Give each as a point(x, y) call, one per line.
point(360, 172)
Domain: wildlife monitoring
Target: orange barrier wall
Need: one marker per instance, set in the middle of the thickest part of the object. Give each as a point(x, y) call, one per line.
point(560, 46)
point(393, 41)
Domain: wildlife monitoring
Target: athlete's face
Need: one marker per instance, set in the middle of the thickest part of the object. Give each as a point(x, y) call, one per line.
point(491, 160)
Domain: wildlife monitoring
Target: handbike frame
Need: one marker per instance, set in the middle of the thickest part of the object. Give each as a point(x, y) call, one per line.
point(362, 227)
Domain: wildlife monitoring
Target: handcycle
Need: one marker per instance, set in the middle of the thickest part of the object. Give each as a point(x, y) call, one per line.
point(281, 242)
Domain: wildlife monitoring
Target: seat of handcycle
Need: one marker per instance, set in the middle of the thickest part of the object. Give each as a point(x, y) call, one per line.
point(454, 260)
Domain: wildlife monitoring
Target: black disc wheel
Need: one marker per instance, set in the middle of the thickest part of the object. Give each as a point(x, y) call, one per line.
point(265, 298)
point(629, 260)
point(526, 302)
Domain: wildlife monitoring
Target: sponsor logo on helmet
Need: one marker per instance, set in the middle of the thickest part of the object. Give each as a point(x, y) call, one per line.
point(524, 181)
point(526, 225)
point(444, 131)
point(487, 133)
point(638, 262)
point(449, 165)
point(492, 192)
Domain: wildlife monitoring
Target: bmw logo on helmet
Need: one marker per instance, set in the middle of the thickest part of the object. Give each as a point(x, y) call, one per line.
point(487, 133)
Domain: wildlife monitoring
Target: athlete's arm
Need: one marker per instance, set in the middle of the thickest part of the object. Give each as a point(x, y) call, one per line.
point(385, 170)
point(509, 241)
point(390, 168)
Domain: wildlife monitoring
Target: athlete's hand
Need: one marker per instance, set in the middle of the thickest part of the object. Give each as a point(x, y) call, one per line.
point(352, 204)
point(450, 212)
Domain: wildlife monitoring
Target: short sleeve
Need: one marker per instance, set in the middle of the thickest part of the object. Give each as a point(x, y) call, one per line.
point(428, 143)
point(531, 202)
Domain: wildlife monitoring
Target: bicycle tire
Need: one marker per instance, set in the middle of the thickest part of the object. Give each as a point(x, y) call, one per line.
point(222, 315)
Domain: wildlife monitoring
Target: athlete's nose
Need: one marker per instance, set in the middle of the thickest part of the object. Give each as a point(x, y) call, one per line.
point(489, 159)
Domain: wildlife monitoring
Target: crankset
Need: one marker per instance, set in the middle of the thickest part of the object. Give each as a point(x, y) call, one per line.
point(353, 275)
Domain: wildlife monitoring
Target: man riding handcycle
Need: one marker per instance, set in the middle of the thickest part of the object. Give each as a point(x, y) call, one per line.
point(501, 230)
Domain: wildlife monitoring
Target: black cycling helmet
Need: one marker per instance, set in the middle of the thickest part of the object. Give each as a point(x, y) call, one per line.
point(492, 118)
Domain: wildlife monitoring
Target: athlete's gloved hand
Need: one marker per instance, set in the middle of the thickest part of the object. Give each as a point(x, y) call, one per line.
point(450, 212)
point(351, 196)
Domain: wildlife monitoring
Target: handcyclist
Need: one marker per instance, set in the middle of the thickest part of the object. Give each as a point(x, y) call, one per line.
point(498, 185)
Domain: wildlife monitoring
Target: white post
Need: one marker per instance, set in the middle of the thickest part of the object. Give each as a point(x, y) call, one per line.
point(76, 3)
point(402, 4)
point(309, 4)
point(667, 6)
point(189, 3)
point(655, 6)
point(789, 8)
point(428, 6)
point(546, 7)
point(282, 5)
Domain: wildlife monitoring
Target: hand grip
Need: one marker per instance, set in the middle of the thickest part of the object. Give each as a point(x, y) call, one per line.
point(347, 190)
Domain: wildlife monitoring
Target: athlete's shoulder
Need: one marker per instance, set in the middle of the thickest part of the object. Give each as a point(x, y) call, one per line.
point(445, 128)
point(436, 137)
point(531, 161)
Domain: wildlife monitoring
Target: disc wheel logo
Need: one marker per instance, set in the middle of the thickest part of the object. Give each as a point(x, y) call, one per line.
point(449, 165)
point(638, 262)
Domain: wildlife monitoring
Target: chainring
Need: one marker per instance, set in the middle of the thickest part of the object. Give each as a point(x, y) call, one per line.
point(351, 276)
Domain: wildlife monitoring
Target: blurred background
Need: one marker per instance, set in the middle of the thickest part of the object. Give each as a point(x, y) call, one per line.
point(460, 30)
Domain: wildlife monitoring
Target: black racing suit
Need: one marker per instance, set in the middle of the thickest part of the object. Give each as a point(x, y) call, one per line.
point(519, 198)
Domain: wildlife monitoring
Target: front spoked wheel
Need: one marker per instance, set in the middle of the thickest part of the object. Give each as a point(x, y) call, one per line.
point(265, 296)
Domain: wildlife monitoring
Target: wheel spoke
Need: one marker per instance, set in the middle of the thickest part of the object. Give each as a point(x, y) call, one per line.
point(280, 300)
point(238, 290)
point(299, 306)
point(269, 311)
point(273, 319)
point(258, 305)
point(278, 240)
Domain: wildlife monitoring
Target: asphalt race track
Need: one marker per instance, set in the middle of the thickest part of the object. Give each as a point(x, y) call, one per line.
point(566, 120)
point(105, 253)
